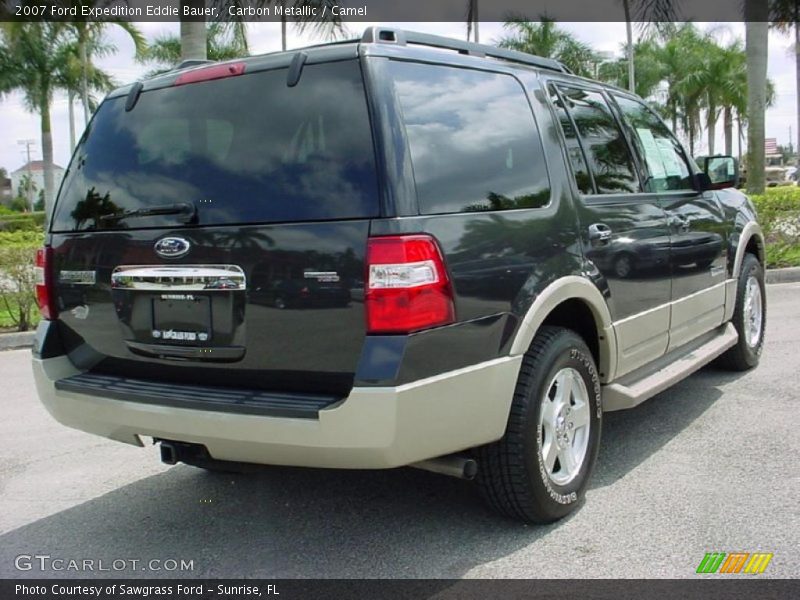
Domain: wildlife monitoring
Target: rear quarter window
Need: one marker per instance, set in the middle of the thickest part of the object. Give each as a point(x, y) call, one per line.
point(473, 140)
point(244, 149)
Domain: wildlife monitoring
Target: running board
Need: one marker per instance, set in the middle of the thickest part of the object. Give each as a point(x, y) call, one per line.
point(635, 388)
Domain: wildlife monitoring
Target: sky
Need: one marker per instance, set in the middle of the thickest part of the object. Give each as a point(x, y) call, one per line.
point(16, 123)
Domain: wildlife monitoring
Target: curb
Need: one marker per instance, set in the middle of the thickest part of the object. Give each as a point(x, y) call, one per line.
point(14, 341)
point(788, 275)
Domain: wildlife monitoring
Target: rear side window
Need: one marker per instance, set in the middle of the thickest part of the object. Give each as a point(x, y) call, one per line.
point(474, 143)
point(243, 149)
point(603, 142)
point(577, 162)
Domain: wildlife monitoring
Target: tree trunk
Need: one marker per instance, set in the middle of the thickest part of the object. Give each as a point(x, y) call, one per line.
point(756, 42)
point(47, 155)
point(82, 41)
point(477, 23)
point(283, 27)
point(71, 101)
point(727, 120)
point(712, 126)
point(193, 34)
point(629, 51)
point(739, 137)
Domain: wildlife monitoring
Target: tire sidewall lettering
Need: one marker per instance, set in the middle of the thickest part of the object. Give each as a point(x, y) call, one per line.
point(571, 497)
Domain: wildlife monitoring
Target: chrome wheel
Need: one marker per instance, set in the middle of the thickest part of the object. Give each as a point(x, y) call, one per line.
point(753, 312)
point(564, 426)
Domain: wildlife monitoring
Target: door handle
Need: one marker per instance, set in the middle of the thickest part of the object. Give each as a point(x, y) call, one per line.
point(680, 222)
point(599, 233)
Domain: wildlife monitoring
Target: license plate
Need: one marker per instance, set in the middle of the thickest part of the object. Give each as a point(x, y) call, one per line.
point(181, 318)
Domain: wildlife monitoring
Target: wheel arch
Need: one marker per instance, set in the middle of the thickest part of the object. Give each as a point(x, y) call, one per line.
point(751, 240)
point(575, 303)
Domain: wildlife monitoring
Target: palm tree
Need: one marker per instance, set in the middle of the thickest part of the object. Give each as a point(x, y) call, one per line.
point(74, 77)
point(32, 56)
point(680, 54)
point(546, 39)
point(756, 48)
point(193, 42)
point(649, 68)
point(644, 11)
point(473, 22)
point(329, 28)
point(223, 42)
point(193, 32)
point(786, 19)
point(88, 36)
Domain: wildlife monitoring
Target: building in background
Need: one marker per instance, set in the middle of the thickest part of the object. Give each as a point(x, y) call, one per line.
point(36, 170)
point(6, 191)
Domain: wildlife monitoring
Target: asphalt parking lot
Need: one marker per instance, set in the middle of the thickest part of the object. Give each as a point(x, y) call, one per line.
point(710, 465)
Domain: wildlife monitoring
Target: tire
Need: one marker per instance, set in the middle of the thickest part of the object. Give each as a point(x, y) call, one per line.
point(747, 351)
point(624, 265)
point(513, 476)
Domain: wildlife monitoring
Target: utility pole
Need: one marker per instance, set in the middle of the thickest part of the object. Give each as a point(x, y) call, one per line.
point(27, 152)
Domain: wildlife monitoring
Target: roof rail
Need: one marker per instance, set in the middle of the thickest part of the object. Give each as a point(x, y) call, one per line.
point(193, 62)
point(400, 37)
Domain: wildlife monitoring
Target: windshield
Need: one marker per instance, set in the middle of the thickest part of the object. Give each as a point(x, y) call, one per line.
point(240, 150)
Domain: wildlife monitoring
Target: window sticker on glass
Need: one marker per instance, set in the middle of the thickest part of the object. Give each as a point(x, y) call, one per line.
point(652, 153)
point(667, 151)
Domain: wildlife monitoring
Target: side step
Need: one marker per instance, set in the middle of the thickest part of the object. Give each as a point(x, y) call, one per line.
point(635, 388)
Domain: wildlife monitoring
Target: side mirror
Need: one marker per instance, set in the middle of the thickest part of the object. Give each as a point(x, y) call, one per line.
point(721, 172)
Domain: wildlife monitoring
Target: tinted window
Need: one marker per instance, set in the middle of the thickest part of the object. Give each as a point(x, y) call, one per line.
point(605, 146)
point(243, 149)
point(574, 153)
point(664, 160)
point(473, 141)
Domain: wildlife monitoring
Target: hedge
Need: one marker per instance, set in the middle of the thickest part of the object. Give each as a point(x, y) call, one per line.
point(14, 221)
point(779, 215)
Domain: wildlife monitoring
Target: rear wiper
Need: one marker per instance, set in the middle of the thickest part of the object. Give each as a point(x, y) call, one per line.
point(184, 208)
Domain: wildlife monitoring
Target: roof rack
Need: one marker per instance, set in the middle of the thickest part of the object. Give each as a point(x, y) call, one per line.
point(400, 37)
point(193, 62)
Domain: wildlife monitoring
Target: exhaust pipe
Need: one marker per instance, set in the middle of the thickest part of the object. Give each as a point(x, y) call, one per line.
point(169, 453)
point(452, 465)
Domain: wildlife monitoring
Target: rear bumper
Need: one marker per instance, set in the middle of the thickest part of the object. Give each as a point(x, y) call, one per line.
point(372, 428)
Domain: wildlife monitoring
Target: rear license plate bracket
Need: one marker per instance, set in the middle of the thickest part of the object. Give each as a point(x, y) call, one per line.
point(183, 318)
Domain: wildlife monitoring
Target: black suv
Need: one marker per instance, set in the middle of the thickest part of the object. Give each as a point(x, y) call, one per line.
point(401, 250)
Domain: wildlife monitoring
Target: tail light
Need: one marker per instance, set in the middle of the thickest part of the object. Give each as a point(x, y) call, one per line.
point(408, 288)
point(45, 295)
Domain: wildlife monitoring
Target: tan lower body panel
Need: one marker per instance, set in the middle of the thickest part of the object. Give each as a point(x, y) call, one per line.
point(642, 338)
point(696, 314)
point(730, 298)
point(371, 428)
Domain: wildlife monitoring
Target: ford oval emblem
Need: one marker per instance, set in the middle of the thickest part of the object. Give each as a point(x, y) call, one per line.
point(172, 247)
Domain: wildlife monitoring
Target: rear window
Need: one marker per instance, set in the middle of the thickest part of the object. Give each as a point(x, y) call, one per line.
point(243, 149)
point(474, 143)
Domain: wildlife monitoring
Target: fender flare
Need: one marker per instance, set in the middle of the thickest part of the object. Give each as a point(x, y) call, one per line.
point(752, 229)
point(571, 287)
